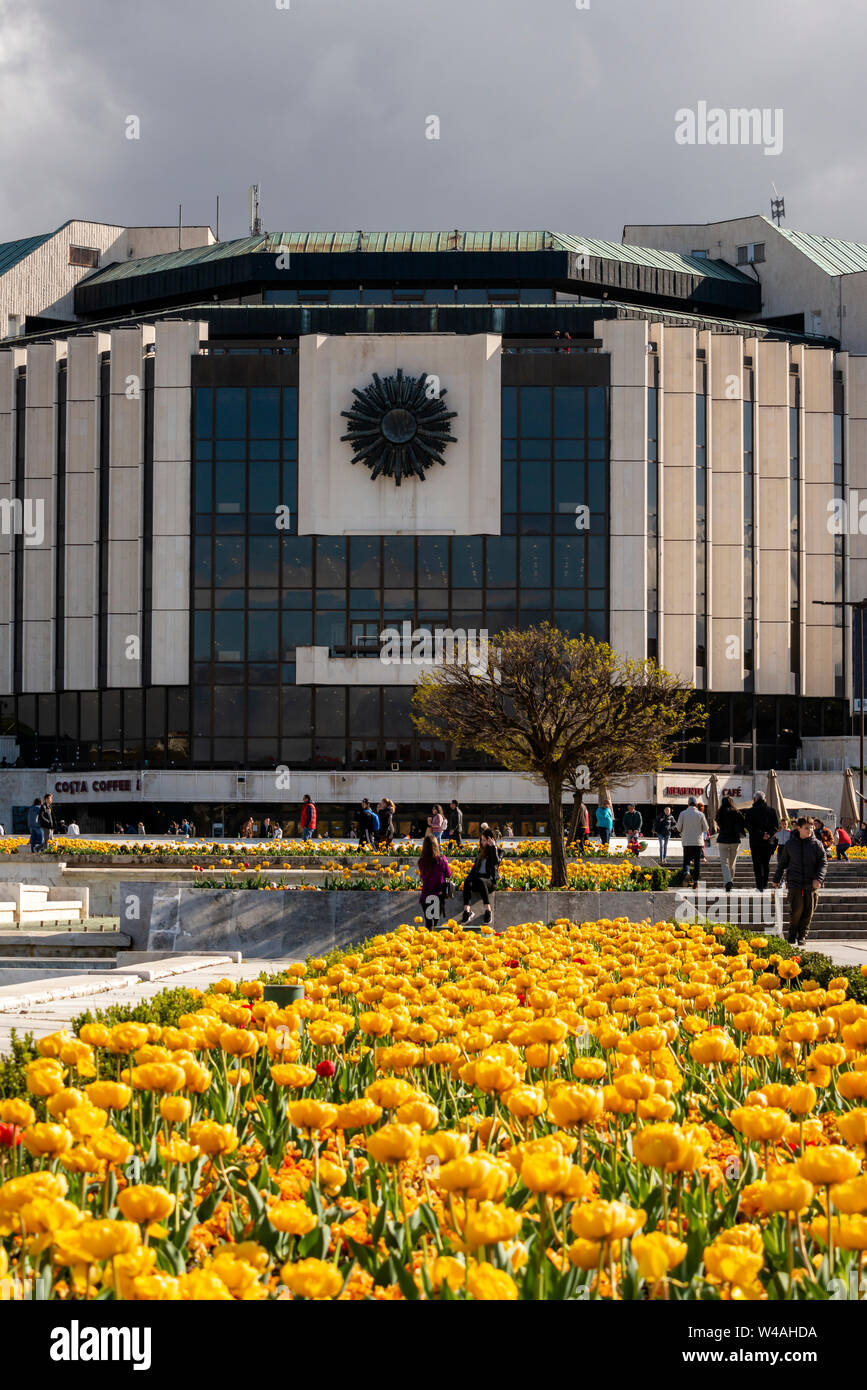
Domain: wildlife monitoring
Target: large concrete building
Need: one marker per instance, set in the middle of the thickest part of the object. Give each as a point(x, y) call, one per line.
point(202, 543)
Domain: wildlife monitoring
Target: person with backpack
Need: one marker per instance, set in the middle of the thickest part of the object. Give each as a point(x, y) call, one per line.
point(437, 823)
point(604, 822)
point(482, 878)
point(663, 828)
point(844, 843)
point(368, 824)
point(37, 839)
point(436, 880)
point(308, 818)
point(762, 824)
point(732, 828)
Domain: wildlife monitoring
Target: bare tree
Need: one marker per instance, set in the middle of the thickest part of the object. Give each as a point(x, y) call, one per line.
point(556, 708)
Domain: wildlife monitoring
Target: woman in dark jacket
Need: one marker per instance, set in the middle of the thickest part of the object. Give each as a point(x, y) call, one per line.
point(732, 828)
point(482, 878)
point(385, 810)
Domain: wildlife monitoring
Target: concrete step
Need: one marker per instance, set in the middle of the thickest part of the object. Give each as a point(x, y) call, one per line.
point(52, 945)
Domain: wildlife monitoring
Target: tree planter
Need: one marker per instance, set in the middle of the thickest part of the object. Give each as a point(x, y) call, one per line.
point(284, 994)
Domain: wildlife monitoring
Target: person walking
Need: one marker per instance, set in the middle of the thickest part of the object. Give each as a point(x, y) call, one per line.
point(46, 818)
point(455, 828)
point(73, 830)
point(692, 828)
point(604, 822)
point(437, 823)
point(385, 811)
point(436, 879)
point(632, 823)
point(732, 828)
point(582, 829)
point(762, 825)
point(781, 836)
point(663, 828)
point(368, 824)
point(37, 838)
point(804, 863)
point(482, 878)
point(844, 843)
point(308, 818)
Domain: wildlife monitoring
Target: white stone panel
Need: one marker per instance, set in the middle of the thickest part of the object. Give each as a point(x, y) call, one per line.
point(460, 498)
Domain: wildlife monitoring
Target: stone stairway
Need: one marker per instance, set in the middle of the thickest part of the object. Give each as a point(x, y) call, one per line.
point(842, 910)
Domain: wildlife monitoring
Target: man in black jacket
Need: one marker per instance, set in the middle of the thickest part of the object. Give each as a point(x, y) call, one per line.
point(762, 824)
point(455, 824)
point(46, 817)
point(804, 862)
point(632, 821)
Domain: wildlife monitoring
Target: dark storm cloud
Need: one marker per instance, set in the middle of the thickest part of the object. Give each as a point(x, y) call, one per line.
point(551, 116)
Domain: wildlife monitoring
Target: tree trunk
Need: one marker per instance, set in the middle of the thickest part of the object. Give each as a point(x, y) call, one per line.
point(555, 820)
point(577, 802)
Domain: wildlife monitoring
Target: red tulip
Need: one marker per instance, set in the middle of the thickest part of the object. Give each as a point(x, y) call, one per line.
point(326, 1068)
point(10, 1135)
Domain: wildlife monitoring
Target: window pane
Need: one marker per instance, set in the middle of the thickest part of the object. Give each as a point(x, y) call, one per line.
point(265, 412)
point(467, 562)
point(501, 561)
point(510, 412)
point(296, 703)
point(231, 412)
point(229, 710)
point(535, 412)
point(535, 563)
point(262, 710)
point(229, 554)
point(297, 554)
point(399, 560)
point(433, 562)
point(265, 487)
point(535, 485)
point(230, 483)
point(297, 632)
point(596, 412)
point(264, 561)
point(569, 562)
point(228, 636)
point(364, 562)
point(363, 711)
point(569, 411)
point(262, 637)
point(331, 712)
point(204, 410)
point(202, 637)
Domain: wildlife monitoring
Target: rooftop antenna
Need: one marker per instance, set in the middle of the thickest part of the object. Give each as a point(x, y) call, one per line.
point(778, 206)
point(255, 219)
point(180, 222)
point(217, 226)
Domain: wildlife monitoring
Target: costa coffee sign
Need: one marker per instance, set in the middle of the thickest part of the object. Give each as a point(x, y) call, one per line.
point(99, 786)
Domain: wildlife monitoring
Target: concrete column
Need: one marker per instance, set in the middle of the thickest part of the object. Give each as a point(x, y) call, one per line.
point(626, 340)
point(854, 370)
point(40, 472)
point(817, 539)
point(677, 348)
point(725, 511)
point(7, 538)
point(176, 344)
point(125, 521)
point(82, 510)
point(772, 517)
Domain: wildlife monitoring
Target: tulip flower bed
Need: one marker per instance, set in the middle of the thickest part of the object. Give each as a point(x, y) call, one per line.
point(612, 1111)
point(78, 848)
point(516, 878)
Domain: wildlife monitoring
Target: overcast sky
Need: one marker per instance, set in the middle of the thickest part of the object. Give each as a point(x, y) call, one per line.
point(550, 116)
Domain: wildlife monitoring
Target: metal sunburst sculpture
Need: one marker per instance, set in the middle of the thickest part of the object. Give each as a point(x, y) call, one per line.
point(397, 429)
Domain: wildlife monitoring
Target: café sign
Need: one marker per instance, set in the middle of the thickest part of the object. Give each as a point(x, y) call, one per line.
point(99, 786)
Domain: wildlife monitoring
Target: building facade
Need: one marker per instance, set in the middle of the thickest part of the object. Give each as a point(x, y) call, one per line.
point(203, 543)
